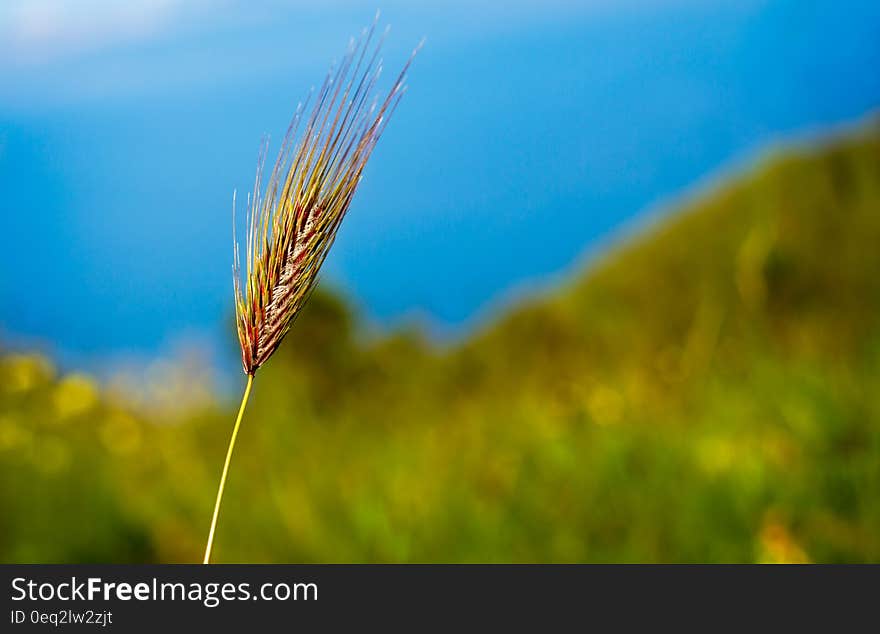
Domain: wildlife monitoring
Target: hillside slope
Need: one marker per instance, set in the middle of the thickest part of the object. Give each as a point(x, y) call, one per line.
point(707, 391)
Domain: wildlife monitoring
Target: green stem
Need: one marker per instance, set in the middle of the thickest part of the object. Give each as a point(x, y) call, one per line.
point(244, 400)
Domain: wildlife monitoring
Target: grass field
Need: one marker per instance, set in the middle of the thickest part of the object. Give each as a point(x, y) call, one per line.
point(709, 390)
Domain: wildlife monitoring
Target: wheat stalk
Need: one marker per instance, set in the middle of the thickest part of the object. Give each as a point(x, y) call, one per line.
point(293, 221)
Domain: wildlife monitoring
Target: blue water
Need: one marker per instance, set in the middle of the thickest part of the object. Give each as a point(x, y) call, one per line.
point(528, 133)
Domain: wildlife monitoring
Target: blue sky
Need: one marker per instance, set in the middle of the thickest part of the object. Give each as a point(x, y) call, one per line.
point(530, 133)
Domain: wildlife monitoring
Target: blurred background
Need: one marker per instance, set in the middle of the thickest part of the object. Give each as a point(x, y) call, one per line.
point(609, 289)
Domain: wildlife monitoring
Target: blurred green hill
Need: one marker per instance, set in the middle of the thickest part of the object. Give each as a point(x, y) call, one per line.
point(708, 390)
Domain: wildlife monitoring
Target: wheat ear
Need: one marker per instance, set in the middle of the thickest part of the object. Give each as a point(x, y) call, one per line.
point(293, 221)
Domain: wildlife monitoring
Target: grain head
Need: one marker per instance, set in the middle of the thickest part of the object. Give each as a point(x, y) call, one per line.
point(294, 219)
